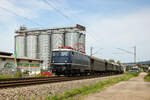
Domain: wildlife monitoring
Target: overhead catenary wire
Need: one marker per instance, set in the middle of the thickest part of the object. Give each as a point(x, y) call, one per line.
point(125, 50)
point(58, 11)
point(133, 53)
point(46, 1)
point(68, 18)
point(73, 17)
point(25, 18)
point(97, 51)
point(64, 15)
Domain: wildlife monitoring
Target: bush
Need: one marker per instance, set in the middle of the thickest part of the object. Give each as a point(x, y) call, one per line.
point(5, 76)
point(134, 73)
point(38, 75)
point(18, 74)
point(26, 72)
point(147, 77)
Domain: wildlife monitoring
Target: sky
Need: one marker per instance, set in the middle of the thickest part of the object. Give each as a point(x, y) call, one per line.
point(110, 24)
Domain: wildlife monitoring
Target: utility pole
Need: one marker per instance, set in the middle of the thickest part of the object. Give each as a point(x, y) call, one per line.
point(91, 51)
point(135, 55)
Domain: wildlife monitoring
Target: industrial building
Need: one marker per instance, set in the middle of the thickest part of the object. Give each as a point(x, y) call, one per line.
point(38, 43)
point(8, 65)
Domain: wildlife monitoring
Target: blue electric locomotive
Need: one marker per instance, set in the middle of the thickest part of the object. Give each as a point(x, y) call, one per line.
point(69, 62)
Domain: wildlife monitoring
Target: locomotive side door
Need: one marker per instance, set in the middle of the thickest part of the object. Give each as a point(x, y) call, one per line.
point(92, 65)
point(106, 64)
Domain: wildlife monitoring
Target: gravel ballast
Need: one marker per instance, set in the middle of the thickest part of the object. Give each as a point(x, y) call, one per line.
point(50, 89)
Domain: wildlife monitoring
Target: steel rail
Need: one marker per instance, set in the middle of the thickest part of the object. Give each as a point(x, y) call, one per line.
point(16, 82)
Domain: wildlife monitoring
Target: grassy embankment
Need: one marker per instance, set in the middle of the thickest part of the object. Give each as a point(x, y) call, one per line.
point(5, 76)
point(91, 88)
point(20, 75)
point(15, 75)
point(147, 77)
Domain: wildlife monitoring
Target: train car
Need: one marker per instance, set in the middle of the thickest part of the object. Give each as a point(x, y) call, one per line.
point(121, 69)
point(117, 68)
point(110, 67)
point(101, 66)
point(97, 65)
point(69, 62)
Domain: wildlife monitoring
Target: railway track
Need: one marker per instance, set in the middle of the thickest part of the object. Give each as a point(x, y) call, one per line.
point(15, 82)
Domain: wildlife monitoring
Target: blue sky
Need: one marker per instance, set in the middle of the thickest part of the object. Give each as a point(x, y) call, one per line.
point(110, 24)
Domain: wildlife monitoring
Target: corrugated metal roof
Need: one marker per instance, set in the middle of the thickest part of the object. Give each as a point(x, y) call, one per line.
point(98, 59)
point(5, 53)
point(79, 27)
point(10, 57)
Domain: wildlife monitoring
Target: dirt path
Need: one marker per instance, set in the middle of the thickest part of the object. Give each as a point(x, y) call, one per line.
point(134, 89)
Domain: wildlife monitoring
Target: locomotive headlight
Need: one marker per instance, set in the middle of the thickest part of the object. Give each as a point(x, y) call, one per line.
point(53, 61)
point(65, 61)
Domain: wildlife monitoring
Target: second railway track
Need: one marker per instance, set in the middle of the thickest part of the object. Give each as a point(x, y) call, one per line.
point(15, 82)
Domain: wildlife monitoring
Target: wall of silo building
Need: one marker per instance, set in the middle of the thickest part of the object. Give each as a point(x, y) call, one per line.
point(72, 40)
point(57, 40)
point(44, 49)
point(20, 45)
point(7, 65)
point(31, 45)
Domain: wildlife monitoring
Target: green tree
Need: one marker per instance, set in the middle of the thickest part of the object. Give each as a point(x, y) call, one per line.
point(111, 60)
point(139, 65)
point(118, 62)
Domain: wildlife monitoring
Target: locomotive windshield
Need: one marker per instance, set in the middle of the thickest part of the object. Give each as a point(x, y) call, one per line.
point(56, 53)
point(60, 53)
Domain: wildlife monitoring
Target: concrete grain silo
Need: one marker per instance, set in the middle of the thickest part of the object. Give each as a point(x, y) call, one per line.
point(57, 40)
point(31, 41)
point(72, 40)
point(20, 45)
point(82, 42)
point(44, 45)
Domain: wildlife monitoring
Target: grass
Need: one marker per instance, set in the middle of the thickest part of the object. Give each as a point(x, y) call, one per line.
point(91, 88)
point(19, 75)
point(15, 75)
point(5, 76)
point(147, 77)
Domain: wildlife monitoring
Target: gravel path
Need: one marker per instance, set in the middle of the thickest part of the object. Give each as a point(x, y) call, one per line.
point(134, 89)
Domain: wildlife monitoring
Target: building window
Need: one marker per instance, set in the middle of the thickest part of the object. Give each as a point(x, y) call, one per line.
point(3, 59)
point(18, 60)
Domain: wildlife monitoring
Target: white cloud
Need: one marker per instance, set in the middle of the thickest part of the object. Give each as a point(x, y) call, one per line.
point(124, 31)
point(24, 8)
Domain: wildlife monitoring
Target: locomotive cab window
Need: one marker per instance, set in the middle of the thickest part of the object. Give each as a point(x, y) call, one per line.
point(56, 53)
point(64, 53)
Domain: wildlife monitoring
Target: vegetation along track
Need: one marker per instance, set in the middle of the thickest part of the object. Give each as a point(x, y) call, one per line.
point(15, 82)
